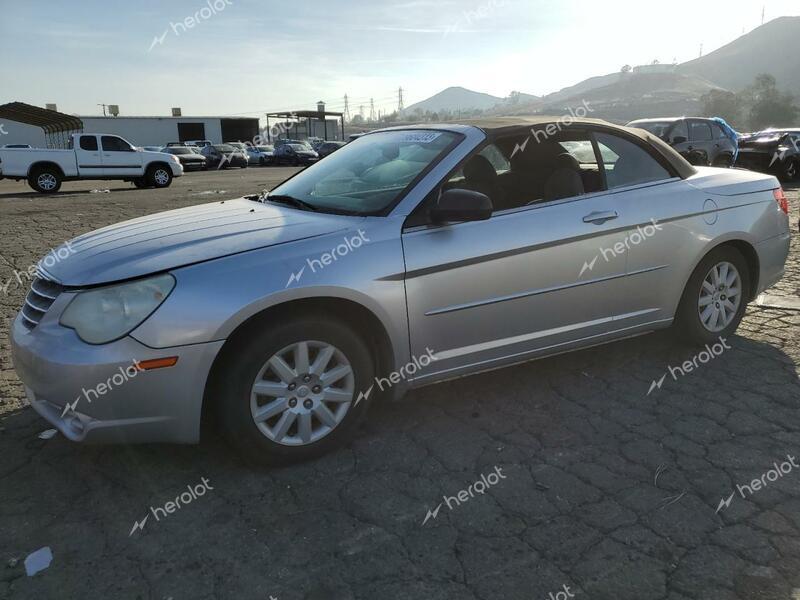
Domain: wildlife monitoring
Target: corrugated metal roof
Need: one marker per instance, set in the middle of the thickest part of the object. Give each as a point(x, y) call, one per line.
point(49, 120)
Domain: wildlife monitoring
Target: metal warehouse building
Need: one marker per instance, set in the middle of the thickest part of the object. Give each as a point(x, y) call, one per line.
point(43, 128)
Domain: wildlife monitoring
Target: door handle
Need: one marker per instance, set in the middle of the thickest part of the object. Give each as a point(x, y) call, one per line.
point(600, 217)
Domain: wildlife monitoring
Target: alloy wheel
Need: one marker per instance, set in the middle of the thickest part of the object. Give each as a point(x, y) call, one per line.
point(302, 393)
point(720, 297)
point(47, 181)
point(161, 177)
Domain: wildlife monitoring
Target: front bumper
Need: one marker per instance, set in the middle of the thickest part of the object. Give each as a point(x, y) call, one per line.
point(91, 393)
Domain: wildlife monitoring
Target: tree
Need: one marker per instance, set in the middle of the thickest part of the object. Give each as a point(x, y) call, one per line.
point(768, 106)
point(720, 103)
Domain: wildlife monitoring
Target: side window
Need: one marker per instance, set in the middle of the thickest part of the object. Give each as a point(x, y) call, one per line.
point(114, 144)
point(700, 131)
point(628, 164)
point(89, 143)
point(679, 130)
point(717, 132)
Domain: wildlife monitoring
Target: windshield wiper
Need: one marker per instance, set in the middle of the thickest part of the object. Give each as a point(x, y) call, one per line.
point(291, 201)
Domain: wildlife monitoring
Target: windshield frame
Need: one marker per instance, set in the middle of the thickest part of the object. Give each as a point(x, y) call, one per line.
point(458, 138)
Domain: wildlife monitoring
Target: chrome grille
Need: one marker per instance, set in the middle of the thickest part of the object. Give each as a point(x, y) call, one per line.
point(39, 300)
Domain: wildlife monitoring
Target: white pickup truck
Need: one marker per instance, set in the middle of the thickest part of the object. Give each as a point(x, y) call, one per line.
point(90, 156)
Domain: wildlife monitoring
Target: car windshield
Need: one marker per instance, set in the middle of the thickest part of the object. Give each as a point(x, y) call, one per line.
point(370, 174)
point(225, 148)
point(657, 128)
point(265, 148)
point(298, 146)
point(179, 151)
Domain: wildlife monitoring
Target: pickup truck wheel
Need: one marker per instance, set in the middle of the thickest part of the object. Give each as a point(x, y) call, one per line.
point(159, 176)
point(291, 391)
point(45, 180)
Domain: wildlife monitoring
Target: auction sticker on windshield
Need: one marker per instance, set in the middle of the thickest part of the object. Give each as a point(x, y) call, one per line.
point(419, 137)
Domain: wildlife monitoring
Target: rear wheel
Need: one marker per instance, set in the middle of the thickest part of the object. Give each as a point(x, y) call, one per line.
point(159, 176)
point(290, 392)
point(789, 170)
point(45, 180)
point(715, 298)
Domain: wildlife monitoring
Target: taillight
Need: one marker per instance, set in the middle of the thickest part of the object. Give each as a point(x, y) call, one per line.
point(781, 199)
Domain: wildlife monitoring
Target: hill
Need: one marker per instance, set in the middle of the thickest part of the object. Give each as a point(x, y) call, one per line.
point(770, 48)
point(455, 99)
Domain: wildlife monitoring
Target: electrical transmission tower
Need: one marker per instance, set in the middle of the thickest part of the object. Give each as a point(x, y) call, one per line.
point(372, 110)
point(400, 104)
point(346, 109)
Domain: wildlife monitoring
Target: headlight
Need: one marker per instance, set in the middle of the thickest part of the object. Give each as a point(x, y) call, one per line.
point(107, 314)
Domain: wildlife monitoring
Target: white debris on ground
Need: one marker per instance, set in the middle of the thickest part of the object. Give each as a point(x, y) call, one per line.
point(38, 561)
point(48, 434)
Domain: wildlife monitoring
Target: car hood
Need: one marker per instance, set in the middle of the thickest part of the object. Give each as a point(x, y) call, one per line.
point(182, 237)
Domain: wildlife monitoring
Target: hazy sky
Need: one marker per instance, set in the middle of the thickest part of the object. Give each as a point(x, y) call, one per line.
point(258, 55)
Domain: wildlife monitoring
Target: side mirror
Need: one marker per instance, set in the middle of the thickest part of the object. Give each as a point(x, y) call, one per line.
point(679, 139)
point(458, 206)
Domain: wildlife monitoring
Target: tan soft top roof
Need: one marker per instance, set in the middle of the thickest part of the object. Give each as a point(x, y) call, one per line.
point(498, 126)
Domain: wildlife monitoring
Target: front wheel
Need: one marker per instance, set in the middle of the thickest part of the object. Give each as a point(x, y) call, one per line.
point(159, 176)
point(45, 180)
point(292, 392)
point(715, 298)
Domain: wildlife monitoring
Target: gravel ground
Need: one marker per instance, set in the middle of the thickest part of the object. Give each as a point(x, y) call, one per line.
point(591, 487)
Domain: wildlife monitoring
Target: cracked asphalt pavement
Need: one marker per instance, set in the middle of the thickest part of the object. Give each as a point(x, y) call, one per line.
point(608, 492)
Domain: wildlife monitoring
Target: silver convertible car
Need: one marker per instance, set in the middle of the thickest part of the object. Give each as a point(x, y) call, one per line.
point(408, 257)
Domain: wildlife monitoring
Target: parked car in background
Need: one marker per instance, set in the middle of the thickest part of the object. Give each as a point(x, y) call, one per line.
point(700, 141)
point(190, 157)
point(23, 146)
point(199, 143)
point(327, 148)
point(90, 156)
point(282, 142)
point(775, 151)
point(223, 156)
point(435, 230)
point(260, 155)
point(153, 148)
point(294, 154)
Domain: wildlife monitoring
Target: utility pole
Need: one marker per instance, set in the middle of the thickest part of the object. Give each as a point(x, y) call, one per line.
point(372, 110)
point(701, 50)
point(400, 104)
point(104, 108)
point(763, 13)
point(346, 108)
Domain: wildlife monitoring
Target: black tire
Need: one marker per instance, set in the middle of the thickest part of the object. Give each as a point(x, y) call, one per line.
point(262, 161)
point(159, 176)
point(140, 183)
point(46, 180)
point(724, 161)
point(789, 170)
point(243, 365)
point(687, 320)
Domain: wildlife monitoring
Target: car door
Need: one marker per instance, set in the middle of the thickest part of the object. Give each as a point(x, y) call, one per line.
point(88, 156)
point(120, 159)
point(678, 138)
point(529, 279)
point(701, 147)
point(662, 220)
